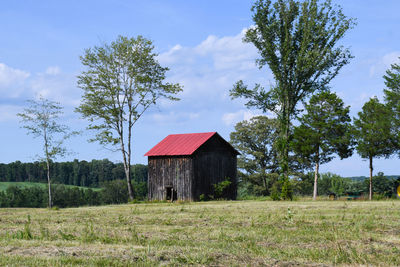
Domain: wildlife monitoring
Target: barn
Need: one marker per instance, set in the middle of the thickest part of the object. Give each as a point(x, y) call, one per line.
point(187, 166)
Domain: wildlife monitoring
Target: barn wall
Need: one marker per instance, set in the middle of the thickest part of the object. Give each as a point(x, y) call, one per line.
point(170, 171)
point(213, 163)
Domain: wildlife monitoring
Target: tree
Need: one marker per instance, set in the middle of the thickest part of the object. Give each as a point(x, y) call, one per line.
point(298, 42)
point(325, 130)
point(373, 134)
point(255, 140)
point(121, 81)
point(382, 185)
point(392, 99)
point(41, 119)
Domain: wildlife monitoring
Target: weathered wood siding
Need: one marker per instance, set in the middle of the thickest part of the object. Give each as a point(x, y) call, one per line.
point(213, 163)
point(170, 171)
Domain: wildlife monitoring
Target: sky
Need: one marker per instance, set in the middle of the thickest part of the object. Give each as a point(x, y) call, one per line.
point(201, 43)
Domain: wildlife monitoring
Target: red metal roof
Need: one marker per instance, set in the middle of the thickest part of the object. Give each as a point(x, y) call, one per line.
point(179, 144)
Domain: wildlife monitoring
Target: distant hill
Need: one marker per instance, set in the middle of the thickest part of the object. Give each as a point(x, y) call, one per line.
point(362, 178)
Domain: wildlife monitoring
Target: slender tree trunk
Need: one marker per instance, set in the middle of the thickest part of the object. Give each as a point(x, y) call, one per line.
point(316, 181)
point(127, 168)
point(46, 145)
point(371, 169)
point(126, 154)
point(130, 188)
point(48, 182)
point(128, 180)
point(316, 176)
point(286, 148)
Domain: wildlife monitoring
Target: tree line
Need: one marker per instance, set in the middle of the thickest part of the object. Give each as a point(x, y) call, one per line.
point(325, 130)
point(111, 192)
point(329, 184)
point(79, 173)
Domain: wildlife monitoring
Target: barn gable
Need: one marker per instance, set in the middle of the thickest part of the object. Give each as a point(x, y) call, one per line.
point(185, 166)
point(185, 144)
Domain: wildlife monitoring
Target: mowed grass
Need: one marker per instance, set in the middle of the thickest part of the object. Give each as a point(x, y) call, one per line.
point(5, 185)
point(223, 233)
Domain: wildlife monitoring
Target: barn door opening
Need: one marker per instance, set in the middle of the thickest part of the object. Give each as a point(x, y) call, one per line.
point(170, 193)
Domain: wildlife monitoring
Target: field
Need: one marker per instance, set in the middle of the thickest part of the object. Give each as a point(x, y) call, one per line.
point(5, 185)
point(221, 233)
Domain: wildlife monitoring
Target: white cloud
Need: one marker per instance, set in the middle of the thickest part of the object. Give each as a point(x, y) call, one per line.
point(53, 70)
point(174, 117)
point(229, 52)
point(52, 83)
point(208, 70)
point(9, 112)
point(391, 58)
point(384, 63)
point(231, 118)
point(55, 85)
point(12, 81)
point(170, 56)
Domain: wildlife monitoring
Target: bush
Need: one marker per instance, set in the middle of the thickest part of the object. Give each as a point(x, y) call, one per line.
point(221, 189)
point(275, 191)
point(115, 192)
point(287, 190)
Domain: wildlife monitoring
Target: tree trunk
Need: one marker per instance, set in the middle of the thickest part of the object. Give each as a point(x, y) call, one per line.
point(370, 177)
point(128, 180)
point(316, 176)
point(316, 181)
point(48, 182)
point(127, 168)
point(285, 146)
point(46, 146)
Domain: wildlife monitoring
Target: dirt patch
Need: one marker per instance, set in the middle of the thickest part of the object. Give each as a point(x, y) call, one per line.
point(78, 251)
point(41, 251)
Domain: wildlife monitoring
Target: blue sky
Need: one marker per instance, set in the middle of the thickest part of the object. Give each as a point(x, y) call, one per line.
point(200, 41)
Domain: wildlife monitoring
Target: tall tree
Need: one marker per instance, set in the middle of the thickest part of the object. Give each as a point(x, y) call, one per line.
point(298, 42)
point(256, 139)
point(41, 119)
point(392, 99)
point(325, 130)
point(121, 81)
point(373, 134)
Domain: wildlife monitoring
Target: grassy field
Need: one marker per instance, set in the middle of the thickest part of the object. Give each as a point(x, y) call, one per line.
point(5, 185)
point(237, 233)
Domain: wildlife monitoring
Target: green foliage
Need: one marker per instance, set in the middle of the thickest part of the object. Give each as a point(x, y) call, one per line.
point(298, 40)
point(287, 190)
point(374, 133)
point(382, 186)
point(80, 173)
point(373, 130)
point(303, 184)
point(120, 82)
point(392, 99)
point(275, 191)
point(325, 129)
point(115, 192)
point(202, 197)
point(221, 189)
point(41, 119)
point(255, 140)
